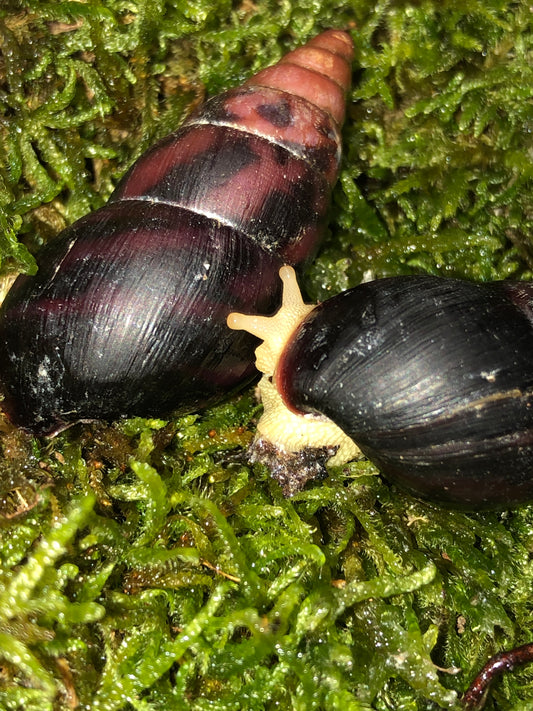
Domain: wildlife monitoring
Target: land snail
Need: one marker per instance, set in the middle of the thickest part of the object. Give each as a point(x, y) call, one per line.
point(431, 378)
point(127, 313)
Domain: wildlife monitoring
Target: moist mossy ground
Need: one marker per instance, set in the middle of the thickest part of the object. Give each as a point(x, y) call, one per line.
point(145, 564)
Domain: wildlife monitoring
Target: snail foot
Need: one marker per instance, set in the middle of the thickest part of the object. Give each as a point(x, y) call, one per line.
point(292, 470)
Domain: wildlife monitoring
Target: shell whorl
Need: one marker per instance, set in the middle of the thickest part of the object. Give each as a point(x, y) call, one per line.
point(319, 72)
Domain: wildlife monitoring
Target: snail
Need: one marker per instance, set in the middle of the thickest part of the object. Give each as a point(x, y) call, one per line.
point(127, 313)
point(431, 378)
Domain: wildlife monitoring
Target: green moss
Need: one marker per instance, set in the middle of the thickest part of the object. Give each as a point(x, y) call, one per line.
point(147, 565)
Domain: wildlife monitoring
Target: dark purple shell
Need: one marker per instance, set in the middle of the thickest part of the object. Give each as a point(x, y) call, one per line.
point(433, 380)
point(126, 315)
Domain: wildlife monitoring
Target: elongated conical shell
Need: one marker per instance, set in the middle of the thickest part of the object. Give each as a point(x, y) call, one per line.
point(127, 313)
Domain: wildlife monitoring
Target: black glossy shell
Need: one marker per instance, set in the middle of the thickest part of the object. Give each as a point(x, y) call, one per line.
point(113, 331)
point(433, 380)
point(127, 313)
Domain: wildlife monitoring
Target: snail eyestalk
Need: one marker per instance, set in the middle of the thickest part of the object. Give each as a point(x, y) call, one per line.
point(274, 330)
point(295, 446)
